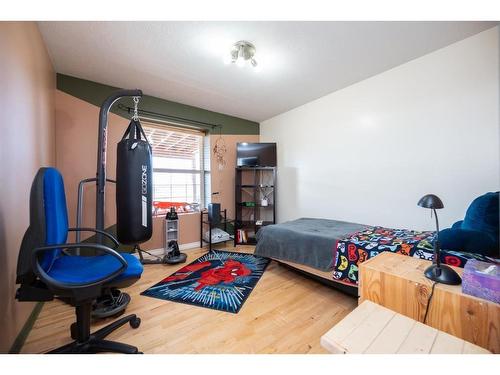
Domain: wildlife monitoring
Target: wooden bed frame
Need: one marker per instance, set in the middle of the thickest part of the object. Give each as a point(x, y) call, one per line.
point(321, 276)
point(307, 269)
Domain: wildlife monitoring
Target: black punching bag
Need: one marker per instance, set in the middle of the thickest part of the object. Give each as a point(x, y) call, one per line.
point(134, 186)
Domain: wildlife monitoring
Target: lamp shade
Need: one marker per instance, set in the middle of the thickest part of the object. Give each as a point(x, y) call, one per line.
point(430, 201)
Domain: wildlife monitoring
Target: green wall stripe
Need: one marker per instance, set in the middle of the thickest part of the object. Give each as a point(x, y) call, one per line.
point(95, 93)
point(25, 331)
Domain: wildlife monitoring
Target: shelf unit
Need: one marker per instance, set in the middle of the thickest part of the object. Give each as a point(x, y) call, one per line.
point(171, 232)
point(252, 185)
point(205, 224)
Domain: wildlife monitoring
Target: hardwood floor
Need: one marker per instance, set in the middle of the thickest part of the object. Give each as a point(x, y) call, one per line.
point(285, 313)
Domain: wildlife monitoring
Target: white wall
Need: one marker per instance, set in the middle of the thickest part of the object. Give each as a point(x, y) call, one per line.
point(367, 153)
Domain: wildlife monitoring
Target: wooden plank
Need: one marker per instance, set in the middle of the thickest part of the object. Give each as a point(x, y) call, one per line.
point(392, 336)
point(469, 348)
point(374, 329)
point(313, 271)
point(447, 344)
point(387, 277)
point(332, 339)
point(364, 334)
point(492, 324)
point(419, 340)
point(372, 285)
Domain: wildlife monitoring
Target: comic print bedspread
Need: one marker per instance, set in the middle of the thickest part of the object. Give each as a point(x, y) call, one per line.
point(365, 244)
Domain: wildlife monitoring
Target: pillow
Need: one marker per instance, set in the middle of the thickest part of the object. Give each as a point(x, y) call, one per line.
point(467, 240)
point(482, 214)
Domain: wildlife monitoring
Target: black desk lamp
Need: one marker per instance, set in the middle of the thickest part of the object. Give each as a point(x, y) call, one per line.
point(437, 272)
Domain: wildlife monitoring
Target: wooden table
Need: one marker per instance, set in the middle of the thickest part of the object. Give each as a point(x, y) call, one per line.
point(373, 329)
point(398, 283)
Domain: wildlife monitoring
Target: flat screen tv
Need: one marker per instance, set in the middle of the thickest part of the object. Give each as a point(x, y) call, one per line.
point(256, 154)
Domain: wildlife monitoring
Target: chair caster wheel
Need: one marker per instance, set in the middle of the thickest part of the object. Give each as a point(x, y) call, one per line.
point(135, 323)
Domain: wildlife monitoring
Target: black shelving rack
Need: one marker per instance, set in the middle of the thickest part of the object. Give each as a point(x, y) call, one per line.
point(252, 185)
point(205, 223)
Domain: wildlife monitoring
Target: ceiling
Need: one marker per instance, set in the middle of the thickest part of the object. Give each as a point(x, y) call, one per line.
point(300, 61)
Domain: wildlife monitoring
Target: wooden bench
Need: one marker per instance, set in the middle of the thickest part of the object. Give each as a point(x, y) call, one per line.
point(374, 329)
point(397, 282)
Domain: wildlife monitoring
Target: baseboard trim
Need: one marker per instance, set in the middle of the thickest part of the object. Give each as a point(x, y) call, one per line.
point(183, 247)
point(18, 343)
point(188, 246)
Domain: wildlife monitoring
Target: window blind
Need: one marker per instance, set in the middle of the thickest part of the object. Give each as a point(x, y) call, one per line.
point(169, 142)
point(179, 158)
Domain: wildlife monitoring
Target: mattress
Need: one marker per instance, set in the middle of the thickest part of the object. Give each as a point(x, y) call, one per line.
point(308, 241)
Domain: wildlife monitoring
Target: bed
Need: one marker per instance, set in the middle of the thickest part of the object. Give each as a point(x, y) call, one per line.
point(305, 241)
point(333, 249)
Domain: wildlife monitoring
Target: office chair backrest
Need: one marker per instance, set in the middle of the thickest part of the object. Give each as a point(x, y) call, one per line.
point(48, 222)
point(56, 214)
point(213, 213)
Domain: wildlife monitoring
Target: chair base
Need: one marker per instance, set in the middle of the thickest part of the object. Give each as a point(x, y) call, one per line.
point(110, 304)
point(97, 344)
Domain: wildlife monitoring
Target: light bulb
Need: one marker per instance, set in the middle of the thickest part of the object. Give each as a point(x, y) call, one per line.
point(241, 62)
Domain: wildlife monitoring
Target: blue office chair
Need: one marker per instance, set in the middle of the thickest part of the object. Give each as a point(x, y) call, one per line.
point(46, 270)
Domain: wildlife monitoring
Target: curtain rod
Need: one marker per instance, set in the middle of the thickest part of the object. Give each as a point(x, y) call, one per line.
point(160, 116)
point(173, 124)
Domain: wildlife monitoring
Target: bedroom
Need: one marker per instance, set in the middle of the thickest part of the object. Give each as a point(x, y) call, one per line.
point(286, 180)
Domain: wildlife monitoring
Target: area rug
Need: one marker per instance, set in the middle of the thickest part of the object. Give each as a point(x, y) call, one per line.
point(219, 280)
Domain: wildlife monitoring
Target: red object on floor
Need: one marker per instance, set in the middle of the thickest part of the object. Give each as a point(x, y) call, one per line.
point(225, 274)
point(220, 280)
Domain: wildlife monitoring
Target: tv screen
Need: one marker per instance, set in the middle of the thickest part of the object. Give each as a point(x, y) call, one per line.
point(256, 154)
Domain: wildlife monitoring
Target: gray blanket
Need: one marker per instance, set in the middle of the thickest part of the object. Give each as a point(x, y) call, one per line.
point(305, 241)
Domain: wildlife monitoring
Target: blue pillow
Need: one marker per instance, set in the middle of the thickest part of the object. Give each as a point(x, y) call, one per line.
point(467, 240)
point(482, 214)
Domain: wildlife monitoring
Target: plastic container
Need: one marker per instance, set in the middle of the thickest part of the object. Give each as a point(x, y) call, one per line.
point(481, 279)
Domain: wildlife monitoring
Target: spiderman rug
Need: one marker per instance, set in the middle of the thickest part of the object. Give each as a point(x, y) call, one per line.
point(220, 280)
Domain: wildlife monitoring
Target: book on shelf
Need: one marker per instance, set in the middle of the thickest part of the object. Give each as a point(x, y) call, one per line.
point(241, 236)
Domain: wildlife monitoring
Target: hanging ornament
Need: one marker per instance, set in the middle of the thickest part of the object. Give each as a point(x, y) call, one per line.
point(219, 151)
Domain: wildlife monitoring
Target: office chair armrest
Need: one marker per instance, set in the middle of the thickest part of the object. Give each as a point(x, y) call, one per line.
point(39, 271)
point(113, 239)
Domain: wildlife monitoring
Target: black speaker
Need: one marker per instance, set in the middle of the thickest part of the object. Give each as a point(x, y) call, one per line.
point(214, 213)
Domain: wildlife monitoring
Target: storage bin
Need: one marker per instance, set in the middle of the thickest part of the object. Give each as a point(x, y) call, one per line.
point(481, 279)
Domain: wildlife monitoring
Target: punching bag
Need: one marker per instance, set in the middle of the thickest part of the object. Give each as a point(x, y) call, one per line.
point(134, 186)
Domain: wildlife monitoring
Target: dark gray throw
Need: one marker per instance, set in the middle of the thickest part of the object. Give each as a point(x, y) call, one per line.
point(305, 241)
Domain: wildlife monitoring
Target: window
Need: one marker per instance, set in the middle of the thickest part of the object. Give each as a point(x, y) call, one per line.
point(179, 168)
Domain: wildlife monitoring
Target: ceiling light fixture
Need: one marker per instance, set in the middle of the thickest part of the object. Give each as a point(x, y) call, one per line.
point(241, 54)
